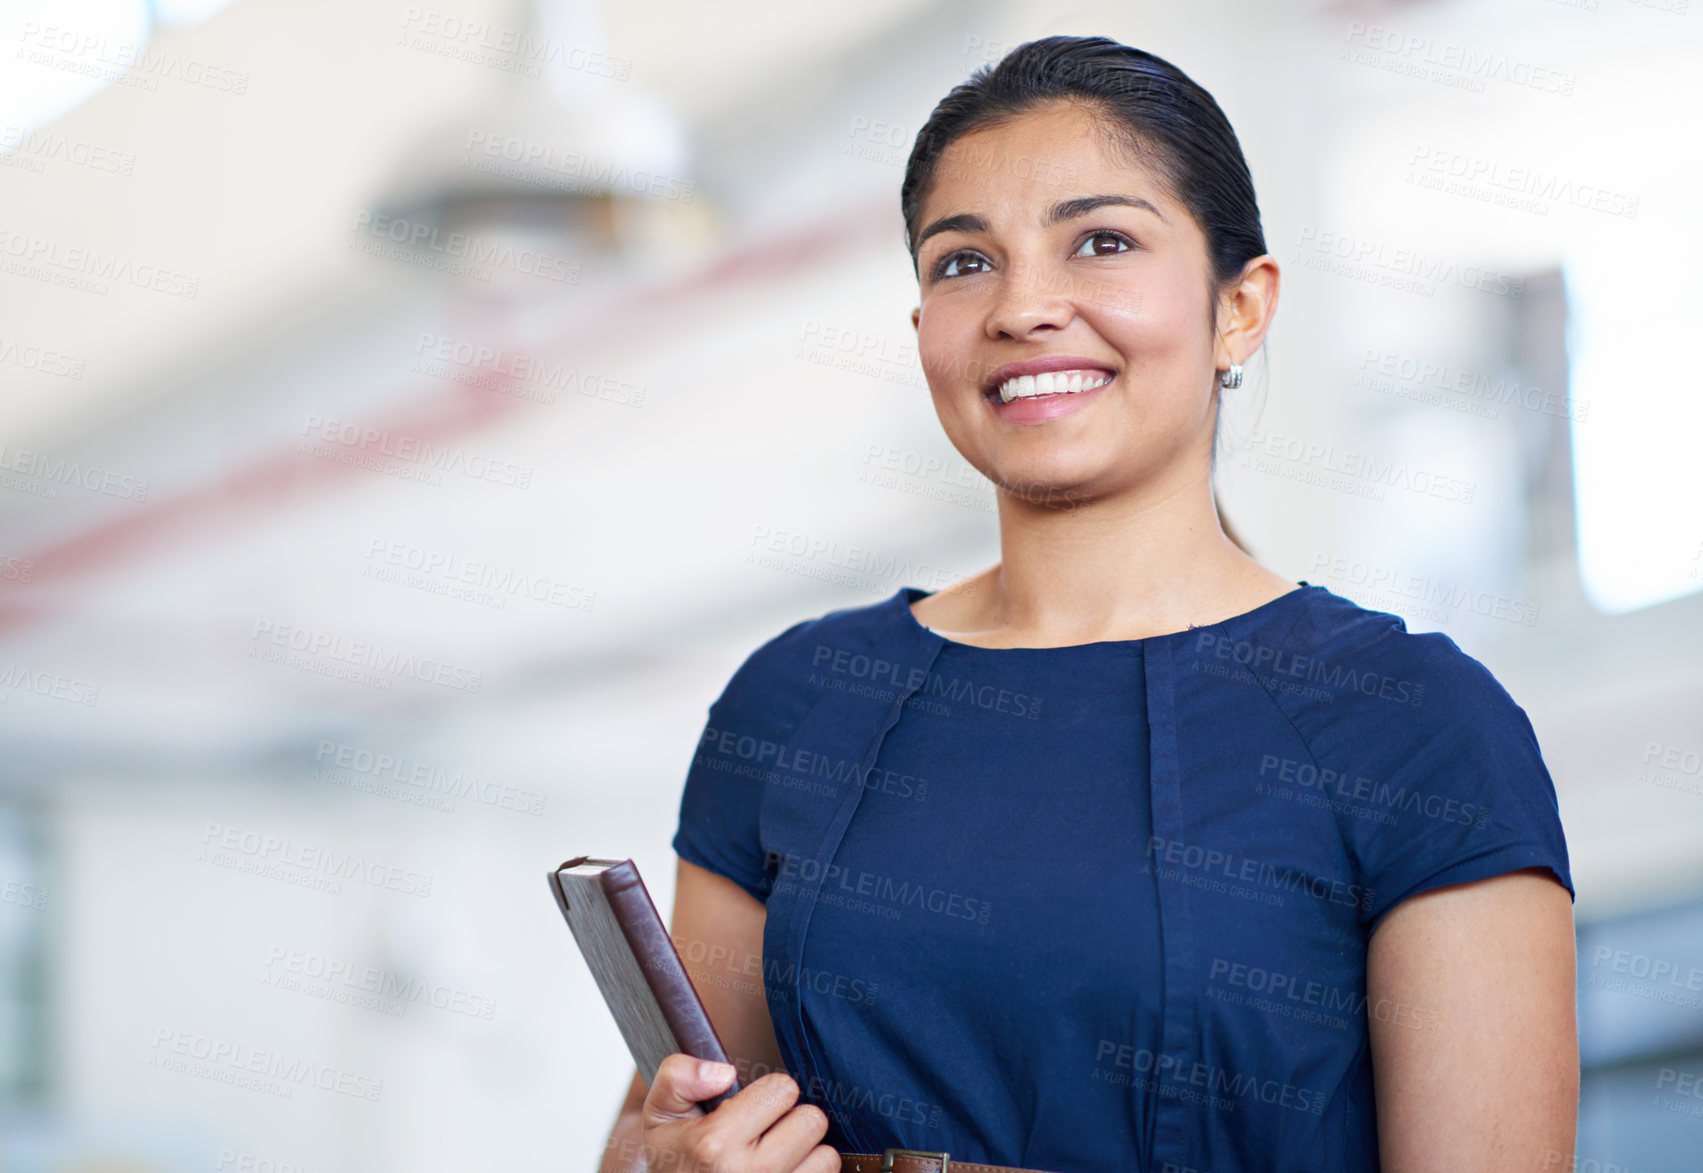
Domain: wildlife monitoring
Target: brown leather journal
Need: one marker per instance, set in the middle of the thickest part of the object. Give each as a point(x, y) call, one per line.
point(635, 964)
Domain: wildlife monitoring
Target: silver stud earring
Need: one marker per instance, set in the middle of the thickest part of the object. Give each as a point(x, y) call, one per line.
point(1232, 378)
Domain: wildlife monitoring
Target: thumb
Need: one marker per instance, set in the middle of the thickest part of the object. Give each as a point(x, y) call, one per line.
point(681, 1082)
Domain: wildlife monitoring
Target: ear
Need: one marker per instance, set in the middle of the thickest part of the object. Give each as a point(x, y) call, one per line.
point(1249, 309)
point(916, 316)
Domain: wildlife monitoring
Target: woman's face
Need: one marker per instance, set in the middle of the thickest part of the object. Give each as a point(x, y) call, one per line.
point(1043, 250)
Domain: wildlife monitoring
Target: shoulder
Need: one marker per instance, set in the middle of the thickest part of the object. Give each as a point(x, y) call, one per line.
point(1329, 655)
point(1362, 690)
point(1357, 686)
point(782, 677)
point(1431, 767)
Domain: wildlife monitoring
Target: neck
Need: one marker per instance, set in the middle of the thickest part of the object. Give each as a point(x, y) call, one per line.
point(1150, 561)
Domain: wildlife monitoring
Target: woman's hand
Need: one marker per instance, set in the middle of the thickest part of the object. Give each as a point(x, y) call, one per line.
point(762, 1129)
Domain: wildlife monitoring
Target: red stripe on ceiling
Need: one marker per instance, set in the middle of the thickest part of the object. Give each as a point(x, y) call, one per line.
point(433, 416)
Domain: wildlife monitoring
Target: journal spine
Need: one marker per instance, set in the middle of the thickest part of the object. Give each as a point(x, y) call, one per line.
point(664, 972)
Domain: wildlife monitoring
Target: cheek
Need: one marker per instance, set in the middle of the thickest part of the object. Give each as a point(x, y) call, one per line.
point(1159, 322)
point(946, 336)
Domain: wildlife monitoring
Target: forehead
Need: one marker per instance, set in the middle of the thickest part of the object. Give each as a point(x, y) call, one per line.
point(1054, 152)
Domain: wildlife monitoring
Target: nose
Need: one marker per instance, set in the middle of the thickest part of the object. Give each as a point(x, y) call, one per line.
point(1029, 301)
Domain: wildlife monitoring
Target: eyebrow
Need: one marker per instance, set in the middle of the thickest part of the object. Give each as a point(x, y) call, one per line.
point(1081, 206)
point(964, 222)
point(1057, 214)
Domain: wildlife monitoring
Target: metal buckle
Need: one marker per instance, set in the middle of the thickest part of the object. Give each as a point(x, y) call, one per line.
point(887, 1156)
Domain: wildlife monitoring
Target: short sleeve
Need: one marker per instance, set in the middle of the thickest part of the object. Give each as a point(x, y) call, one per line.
point(1457, 789)
point(721, 807)
point(719, 813)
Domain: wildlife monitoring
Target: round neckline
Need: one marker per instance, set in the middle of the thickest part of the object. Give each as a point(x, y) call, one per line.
point(909, 594)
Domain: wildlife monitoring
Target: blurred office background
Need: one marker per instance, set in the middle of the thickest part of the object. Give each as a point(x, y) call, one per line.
point(411, 413)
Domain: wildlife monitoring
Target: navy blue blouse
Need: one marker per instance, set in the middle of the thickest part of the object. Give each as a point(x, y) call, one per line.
point(1104, 907)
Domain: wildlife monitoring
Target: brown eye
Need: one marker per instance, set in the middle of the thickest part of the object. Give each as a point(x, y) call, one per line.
point(1103, 244)
point(962, 264)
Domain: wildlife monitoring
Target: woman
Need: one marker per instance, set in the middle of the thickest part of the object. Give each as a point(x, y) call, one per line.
point(1126, 853)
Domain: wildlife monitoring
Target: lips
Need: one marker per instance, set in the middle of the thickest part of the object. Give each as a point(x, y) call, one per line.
point(1051, 374)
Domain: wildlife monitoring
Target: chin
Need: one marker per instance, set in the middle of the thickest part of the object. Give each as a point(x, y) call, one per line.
point(1049, 482)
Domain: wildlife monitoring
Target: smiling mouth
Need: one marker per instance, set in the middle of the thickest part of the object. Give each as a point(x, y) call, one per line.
point(1071, 382)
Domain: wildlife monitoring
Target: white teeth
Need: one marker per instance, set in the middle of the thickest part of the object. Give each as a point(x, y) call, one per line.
point(1051, 383)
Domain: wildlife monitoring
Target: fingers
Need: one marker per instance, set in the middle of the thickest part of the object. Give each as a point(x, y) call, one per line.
point(758, 1105)
point(821, 1159)
point(763, 1125)
point(793, 1140)
point(681, 1082)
